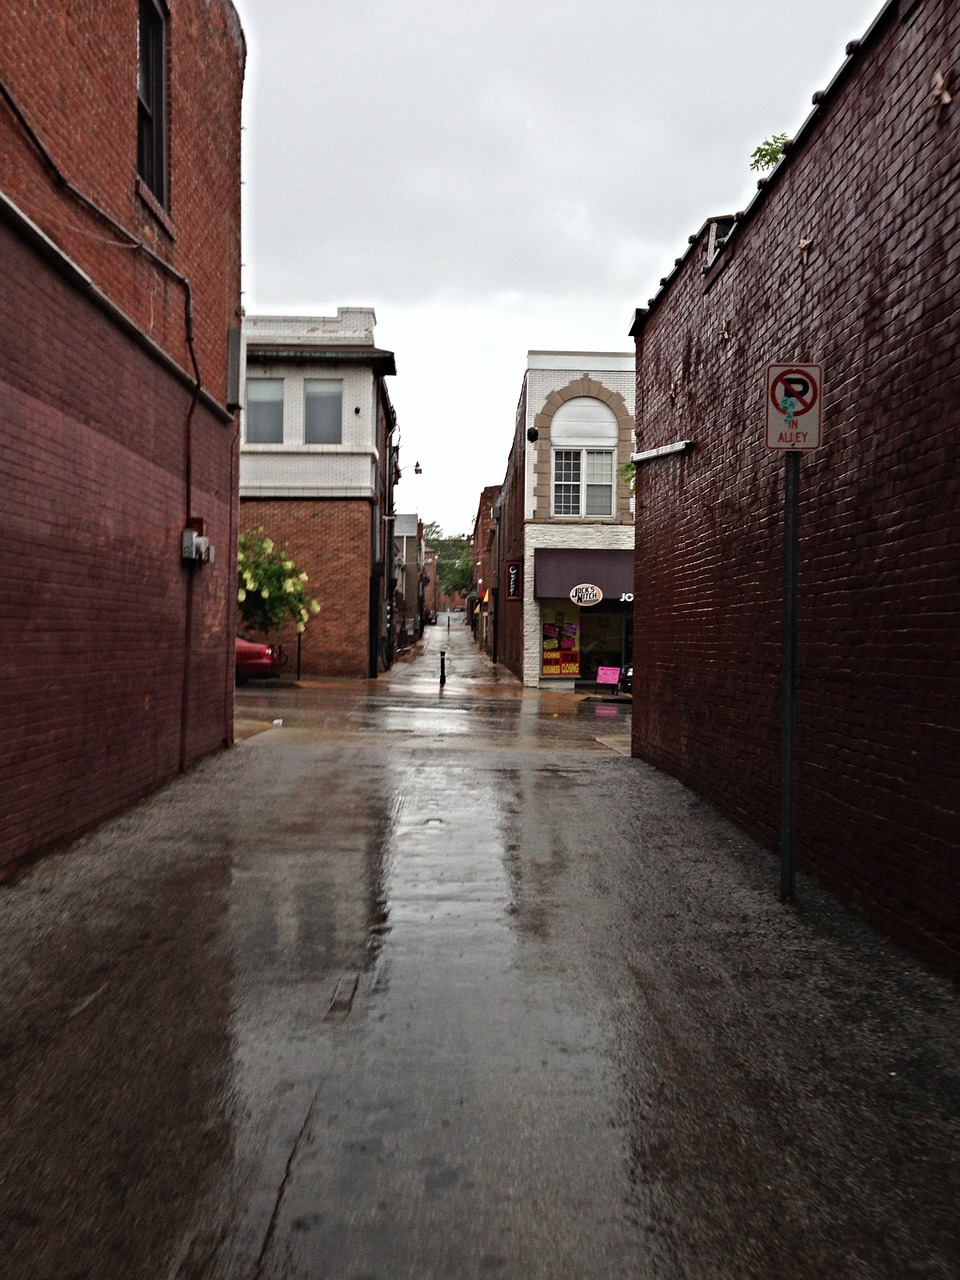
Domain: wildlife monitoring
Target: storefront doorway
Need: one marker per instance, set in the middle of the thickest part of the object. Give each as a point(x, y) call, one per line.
point(606, 639)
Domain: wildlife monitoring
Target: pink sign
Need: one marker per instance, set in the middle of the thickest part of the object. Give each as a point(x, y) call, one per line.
point(608, 675)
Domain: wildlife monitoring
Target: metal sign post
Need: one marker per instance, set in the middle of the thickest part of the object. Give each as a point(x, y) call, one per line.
point(793, 426)
point(788, 674)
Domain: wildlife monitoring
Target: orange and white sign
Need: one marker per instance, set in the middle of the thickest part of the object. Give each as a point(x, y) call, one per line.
point(794, 395)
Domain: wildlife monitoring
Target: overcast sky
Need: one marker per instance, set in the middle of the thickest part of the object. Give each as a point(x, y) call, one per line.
point(501, 177)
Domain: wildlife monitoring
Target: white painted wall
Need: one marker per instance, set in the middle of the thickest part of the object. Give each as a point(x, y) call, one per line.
point(294, 469)
point(552, 370)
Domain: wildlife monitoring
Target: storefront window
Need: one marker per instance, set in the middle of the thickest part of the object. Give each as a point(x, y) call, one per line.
point(560, 643)
point(602, 641)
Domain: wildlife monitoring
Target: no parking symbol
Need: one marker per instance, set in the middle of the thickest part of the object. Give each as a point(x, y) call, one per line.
point(793, 406)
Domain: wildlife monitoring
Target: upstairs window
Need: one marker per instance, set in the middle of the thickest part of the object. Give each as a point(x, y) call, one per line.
point(322, 411)
point(264, 411)
point(583, 482)
point(584, 438)
point(152, 98)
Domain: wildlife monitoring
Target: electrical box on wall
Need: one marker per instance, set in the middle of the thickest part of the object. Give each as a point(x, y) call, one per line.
point(194, 546)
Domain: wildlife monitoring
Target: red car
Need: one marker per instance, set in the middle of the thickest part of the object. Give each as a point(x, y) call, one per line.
point(257, 660)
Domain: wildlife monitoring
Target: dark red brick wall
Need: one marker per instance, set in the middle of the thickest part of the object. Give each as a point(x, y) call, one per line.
point(875, 188)
point(485, 554)
point(510, 623)
point(72, 69)
point(93, 597)
point(331, 542)
point(118, 660)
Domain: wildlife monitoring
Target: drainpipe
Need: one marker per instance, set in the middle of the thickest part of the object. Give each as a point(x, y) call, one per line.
point(187, 504)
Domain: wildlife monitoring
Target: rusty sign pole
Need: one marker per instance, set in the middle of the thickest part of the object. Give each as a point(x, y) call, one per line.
point(793, 396)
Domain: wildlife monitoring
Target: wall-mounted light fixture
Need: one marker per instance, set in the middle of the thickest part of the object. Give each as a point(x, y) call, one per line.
point(417, 469)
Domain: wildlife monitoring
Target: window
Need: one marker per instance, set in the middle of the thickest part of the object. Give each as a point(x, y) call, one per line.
point(152, 98)
point(322, 411)
point(583, 482)
point(584, 438)
point(566, 482)
point(264, 411)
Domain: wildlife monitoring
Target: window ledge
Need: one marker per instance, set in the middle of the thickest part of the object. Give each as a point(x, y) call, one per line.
point(155, 208)
point(307, 450)
point(582, 519)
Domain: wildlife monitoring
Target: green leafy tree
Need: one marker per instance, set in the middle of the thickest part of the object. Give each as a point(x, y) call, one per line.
point(454, 557)
point(768, 154)
point(455, 572)
point(628, 472)
point(270, 587)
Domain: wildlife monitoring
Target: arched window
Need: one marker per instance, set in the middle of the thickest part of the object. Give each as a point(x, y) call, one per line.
point(583, 436)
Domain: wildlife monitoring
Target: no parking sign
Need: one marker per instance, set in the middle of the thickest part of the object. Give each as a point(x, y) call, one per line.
point(794, 392)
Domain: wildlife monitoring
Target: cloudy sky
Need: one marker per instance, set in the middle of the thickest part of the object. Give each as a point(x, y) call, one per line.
point(501, 177)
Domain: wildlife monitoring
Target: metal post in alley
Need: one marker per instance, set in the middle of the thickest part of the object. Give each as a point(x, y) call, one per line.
point(788, 683)
point(793, 395)
point(443, 667)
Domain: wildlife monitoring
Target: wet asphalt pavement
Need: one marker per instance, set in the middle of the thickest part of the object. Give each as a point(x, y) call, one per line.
point(434, 983)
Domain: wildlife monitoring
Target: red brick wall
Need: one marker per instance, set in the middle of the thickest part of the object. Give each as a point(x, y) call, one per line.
point(105, 695)
point(329, 540)
point(510, 623)
point(875, 187)
point(93, 597)
point(72, 70)
point(484, 559)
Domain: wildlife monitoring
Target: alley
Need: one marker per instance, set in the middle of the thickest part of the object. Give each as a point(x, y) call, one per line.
point(424, 981)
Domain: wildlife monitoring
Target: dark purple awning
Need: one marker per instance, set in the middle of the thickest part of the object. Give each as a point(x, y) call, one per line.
point(558, 570)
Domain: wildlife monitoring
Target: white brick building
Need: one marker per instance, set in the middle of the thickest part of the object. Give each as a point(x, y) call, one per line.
point(566, 521)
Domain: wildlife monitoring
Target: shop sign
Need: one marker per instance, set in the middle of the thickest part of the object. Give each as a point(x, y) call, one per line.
point(560, 664)
point(585, 593)
point(560, 650)
point(514, 579)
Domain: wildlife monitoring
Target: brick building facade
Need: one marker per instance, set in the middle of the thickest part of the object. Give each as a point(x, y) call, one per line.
point(848, 257)
point(485, 548)
point(318, 468)
point(120, 256)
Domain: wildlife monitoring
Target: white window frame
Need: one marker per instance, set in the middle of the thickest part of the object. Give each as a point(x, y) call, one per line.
point(584, 483)
point(333, 386)
point(247, 415)
point(584, 435)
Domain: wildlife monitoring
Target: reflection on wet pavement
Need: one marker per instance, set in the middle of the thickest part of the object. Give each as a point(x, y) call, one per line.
point(435, 984)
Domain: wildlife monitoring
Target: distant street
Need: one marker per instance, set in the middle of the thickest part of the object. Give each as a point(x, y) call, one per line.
point(421, 983)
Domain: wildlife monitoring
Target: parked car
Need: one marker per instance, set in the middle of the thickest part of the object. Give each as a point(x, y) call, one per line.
point(626, 679)
point(257, 660)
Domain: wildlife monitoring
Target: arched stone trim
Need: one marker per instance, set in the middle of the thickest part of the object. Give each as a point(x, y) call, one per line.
point(583, 386)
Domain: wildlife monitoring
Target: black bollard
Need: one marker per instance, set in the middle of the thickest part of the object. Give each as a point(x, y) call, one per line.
point(443, 667)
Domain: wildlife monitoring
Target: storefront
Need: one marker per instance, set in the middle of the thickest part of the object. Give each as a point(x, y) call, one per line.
point(586, 611)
